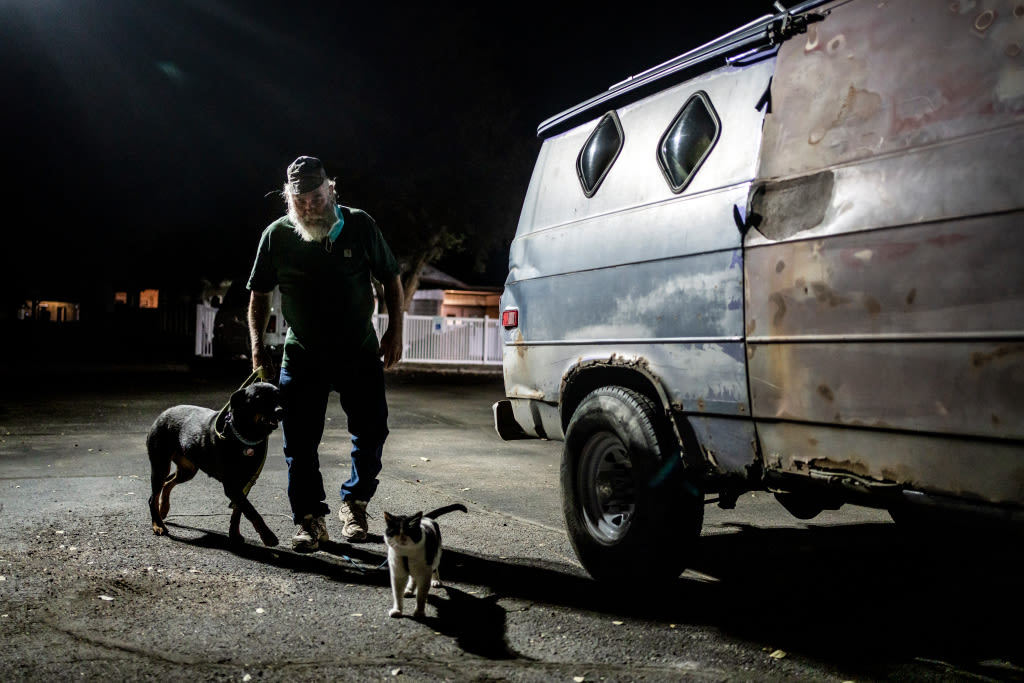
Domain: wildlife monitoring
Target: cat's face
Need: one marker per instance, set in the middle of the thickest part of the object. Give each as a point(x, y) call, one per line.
point(402, 530)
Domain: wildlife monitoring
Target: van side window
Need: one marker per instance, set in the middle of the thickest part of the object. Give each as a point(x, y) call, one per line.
point(688, 141)
point(599, 153)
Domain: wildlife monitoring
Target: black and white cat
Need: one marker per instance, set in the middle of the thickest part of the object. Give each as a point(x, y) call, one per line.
point(414, 554)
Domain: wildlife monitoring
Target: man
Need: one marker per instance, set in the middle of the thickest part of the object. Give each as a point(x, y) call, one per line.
point(322, 256)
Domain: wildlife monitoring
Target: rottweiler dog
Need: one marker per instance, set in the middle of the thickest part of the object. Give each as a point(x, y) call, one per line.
point(230, 446)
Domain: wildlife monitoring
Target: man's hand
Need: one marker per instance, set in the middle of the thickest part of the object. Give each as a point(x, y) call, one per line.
point(391, 342)
point(261, 358)
point(391, 346)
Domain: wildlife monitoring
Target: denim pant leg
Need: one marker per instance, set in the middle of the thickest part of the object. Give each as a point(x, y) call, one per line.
point(362, 399)
point(304, 399)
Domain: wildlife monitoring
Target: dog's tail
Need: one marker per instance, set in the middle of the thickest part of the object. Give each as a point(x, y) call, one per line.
point(434, 514)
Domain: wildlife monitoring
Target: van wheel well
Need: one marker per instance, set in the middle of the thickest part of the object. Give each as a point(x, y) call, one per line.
point(582, 380)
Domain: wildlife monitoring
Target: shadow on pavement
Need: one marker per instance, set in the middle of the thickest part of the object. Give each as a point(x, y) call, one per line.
point(865, 597)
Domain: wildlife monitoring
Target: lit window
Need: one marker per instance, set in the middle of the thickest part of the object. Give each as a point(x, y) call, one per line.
point(688, 141)
point(149, 298)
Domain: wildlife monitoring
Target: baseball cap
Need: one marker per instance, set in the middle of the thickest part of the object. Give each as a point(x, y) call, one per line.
point(305, 174)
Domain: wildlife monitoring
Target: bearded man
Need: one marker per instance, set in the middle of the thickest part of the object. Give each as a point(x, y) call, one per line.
point(322, 256)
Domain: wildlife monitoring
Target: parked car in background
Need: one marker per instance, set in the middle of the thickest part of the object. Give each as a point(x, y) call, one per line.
point(231, 340)
point(788, 260)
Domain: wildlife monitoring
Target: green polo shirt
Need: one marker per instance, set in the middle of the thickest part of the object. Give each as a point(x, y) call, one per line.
point(327, 296)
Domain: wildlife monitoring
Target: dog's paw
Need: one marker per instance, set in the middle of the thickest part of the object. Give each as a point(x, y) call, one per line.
point(395, 613)
point(159, 530)
point(409, 592)
point(236, 539)
point(419, 613)
point(269, 539)
point(436, 583)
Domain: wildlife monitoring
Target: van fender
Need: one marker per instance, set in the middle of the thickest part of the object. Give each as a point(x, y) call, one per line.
point(633, 372)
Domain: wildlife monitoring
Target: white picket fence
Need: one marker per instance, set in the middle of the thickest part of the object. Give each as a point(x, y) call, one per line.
point(204, 330)
point(425, 339)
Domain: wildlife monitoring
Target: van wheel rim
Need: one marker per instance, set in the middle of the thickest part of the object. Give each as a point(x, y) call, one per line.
point(606, 487)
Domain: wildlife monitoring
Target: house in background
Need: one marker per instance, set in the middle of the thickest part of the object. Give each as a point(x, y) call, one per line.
point(440, 294)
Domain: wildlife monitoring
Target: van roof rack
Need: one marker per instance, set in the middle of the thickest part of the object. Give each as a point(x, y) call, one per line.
point(760, 37)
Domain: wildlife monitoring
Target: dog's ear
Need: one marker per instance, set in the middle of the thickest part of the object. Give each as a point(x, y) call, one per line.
point(278, 413)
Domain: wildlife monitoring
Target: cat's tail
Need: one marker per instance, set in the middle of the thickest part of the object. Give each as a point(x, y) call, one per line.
point(434, 514)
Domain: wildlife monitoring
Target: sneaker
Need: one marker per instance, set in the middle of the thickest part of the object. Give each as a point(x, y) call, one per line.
point(311, 531)
point(353, 518)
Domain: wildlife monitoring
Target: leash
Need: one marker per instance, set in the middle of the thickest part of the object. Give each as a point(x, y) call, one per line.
point(358, 566)
point(257, 374)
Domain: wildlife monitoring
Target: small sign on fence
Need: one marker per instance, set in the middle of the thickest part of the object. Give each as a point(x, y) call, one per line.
point(437, 324)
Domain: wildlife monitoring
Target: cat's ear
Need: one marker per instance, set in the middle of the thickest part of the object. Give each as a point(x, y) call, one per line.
point(415, 519)
point(388, 516)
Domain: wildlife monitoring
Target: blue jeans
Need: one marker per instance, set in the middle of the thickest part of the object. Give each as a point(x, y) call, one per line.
point(305, 389)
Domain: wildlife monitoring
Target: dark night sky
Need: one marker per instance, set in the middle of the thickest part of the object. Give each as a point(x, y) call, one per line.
point(143, 136)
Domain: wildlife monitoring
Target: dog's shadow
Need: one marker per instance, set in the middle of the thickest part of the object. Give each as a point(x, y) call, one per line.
point(337, 561)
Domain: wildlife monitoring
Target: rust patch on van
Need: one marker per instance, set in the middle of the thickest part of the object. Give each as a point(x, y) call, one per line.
point(826, 393)
point(860, 104)
point(845, 466)
point(980, 359)
point(984, 20)
point(824, 293)
point(521, 348)
point(780, 308)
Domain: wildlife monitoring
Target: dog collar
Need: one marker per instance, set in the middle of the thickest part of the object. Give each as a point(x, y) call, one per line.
point(234, 430)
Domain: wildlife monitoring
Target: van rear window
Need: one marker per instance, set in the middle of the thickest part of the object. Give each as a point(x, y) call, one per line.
point(599, 153)
point(688, 141)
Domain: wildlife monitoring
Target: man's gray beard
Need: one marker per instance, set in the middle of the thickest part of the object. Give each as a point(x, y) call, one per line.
point(313, 230)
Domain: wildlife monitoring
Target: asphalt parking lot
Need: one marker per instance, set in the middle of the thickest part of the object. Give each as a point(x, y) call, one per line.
point(87, 592)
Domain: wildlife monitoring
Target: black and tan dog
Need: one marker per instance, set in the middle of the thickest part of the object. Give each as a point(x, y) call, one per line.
point(230, 446)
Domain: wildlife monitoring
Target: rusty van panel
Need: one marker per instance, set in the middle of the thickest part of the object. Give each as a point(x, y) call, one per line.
point(917, 328)
point(958, 277)
point(964, 177)
point(970, 388)
point(972, 470)
point(886, 77)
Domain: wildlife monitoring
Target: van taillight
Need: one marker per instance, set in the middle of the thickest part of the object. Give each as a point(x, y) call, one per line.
point(510, 318)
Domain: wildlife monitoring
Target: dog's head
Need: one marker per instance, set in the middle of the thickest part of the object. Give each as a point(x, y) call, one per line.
point(256, 409)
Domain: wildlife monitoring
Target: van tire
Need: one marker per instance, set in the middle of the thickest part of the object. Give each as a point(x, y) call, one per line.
point(628, 511)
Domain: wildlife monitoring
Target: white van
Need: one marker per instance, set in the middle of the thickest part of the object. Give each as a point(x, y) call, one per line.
point(788, 260)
